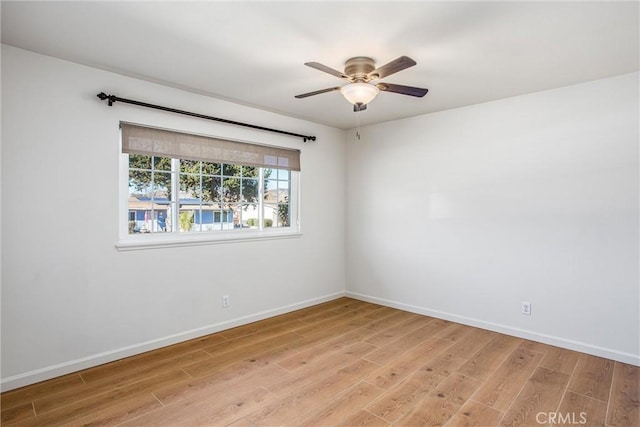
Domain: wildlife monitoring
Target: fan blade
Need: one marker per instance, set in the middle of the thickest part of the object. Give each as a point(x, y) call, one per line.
point(317, 92)
point(326, 69)
point(404, 90)
point(392, 67)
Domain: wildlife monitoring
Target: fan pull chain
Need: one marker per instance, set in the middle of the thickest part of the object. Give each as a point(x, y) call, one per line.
point(358, 126)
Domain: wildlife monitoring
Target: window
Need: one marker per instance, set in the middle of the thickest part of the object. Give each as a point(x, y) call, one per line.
point(186, 185)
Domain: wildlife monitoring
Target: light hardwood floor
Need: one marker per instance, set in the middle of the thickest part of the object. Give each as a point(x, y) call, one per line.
point(344, 362)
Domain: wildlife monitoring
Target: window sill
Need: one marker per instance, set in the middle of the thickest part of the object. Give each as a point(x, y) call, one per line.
point(156, 241)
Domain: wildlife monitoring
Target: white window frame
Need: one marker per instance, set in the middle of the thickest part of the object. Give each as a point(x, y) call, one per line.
point(127, 242)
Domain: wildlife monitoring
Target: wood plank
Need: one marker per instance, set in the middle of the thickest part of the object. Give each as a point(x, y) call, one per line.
point(560, 359)
point(397, 370)
point(307, 314)
point(474, 414)
point(592, 377)
point(122, 378)
point(402, 398)
point(489, 357)
point(216, 409)
point(113, 406)
point(578, 409)
point(328, 324)
point(328, 348)
point(541, 394)
point(394, 349)
point(255, 371)
point(454, 332)
point(313, 340)
point(504, 385)
point(305, 400)
point(151, 358)
point(29, 393)
point(20, 412)
point(456, 355)
point(251, 340)
point(535, 346)
point(624, 406)
point(364, 418)
point(398, 330)
point(442, 403)
point(345, 405)
point(114, 415)
point(262, 325)
point(220, 360)
point(321, 370)
point(379, 313)
point(336, 315)
point(393, 318)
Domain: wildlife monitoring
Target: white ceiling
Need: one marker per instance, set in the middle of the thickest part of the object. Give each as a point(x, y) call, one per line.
point(253, 52)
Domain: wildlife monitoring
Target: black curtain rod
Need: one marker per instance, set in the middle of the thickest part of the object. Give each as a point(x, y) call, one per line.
point(112, 98)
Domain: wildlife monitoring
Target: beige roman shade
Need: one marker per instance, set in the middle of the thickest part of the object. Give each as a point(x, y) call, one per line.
point(165, 143)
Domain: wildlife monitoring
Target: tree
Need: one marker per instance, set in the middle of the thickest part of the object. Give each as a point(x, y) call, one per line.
point(283, 213)
point(186, 220)
point(208, 181)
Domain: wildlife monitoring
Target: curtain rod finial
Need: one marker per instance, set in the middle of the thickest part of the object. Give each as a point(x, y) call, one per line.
point(102, 96)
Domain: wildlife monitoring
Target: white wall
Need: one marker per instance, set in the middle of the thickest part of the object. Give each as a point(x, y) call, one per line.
point(69, 299)
point(466, 213)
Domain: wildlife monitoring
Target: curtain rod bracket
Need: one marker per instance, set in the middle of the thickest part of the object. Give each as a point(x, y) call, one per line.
point(113, 98)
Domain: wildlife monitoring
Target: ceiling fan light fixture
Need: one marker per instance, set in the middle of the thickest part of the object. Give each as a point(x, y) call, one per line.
point(359, 92)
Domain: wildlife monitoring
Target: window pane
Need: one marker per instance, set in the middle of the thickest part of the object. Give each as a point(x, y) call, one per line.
point(283, 215)
point(271, 190)
point(250, 215)
point(270, 218)
point(186, 219)
point(231, 189)
point(250, 189)
point(209, 168)
point(225, 217)
point(190, 166)
point(140, 182)
point(283, 174)
point(189, 186)
point(139, 161)
point(235, 216)
point(231, 170)
point(277, 215)
point(162, 183)
point(211, 189)
point(283, 192)
point(139, 209)
point(250, 172)
point(162, 163)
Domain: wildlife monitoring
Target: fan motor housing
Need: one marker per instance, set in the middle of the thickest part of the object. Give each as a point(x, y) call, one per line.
point(358, 67)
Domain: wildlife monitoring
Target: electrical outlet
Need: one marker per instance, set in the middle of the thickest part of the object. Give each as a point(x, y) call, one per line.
point(526, 308)
point(225, 300)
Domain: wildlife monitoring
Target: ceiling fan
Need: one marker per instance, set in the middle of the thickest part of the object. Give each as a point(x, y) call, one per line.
point(360, 72)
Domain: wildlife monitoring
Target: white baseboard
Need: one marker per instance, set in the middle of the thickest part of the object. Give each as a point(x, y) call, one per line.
point(632, 359)
point(46, 373)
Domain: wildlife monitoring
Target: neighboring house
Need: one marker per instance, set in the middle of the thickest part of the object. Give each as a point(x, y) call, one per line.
point(148, 215)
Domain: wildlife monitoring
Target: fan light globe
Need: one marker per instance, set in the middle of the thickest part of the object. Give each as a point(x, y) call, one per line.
point(359, 92)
